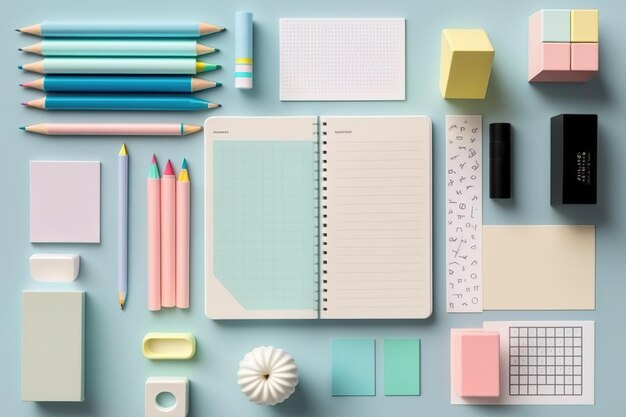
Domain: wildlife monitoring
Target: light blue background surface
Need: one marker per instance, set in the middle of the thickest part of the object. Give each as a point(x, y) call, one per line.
point(116, 370)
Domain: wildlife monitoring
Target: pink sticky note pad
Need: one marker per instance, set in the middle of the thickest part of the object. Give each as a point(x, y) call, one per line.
point(585, 56)
point(476, 363)
point(64, 202)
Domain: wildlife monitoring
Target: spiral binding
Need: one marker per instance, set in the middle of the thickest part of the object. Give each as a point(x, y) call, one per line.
point(323, 223)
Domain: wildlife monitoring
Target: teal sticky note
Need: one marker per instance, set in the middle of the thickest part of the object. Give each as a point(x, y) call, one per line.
point(353, 364)
point(401, 366)
point(555, 25)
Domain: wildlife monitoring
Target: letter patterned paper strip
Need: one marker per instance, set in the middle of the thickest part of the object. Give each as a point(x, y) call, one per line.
point(464, 213)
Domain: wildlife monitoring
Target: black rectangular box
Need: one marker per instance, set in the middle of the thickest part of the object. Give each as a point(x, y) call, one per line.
point(574, 159)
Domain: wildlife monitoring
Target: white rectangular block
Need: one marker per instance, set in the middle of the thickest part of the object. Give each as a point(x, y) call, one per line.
point(52, 345)
point(54, 267)
point(177, 386)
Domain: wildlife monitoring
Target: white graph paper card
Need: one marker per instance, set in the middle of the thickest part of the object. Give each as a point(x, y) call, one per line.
point(464, 214)
point(342, 59)
point(543, 362)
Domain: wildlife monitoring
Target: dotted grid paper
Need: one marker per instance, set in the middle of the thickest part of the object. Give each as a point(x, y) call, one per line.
point(342, 59)
point(545, 360)
point(464, 214)
point(265, 222)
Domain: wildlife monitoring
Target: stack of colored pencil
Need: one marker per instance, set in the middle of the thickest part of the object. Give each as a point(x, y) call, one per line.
point(168, 237)
point(120, 66)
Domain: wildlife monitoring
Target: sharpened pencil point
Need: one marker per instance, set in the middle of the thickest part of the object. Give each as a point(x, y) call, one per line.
point(20, 67)
point(216, 49)
point(184, 165)
point(19, 49)
point(23, 127)
point(154, 159)
point(218, 84)
point(17, 30)
point(169, 169)
point(24, 104)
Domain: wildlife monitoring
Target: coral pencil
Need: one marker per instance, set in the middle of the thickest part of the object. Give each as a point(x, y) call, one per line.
point(112, 129)
point(119, 47)
point(154, 237)
point(183, 193)
point(120, 84)
point(168, 237)
point(115, 29)
point(99, 65)
point(122, 226)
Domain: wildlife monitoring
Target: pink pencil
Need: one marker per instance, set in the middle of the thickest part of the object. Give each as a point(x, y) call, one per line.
point(154, 237)
point(168, 237)
point(112, 129)
point(183, 191)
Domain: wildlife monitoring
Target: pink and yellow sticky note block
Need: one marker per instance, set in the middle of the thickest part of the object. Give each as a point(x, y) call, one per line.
point(475, 355)
point(563, 45)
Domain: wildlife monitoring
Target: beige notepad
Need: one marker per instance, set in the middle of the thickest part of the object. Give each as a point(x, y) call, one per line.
point(539, 267)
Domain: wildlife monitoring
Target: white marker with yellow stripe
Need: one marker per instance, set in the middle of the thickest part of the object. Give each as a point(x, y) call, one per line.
point(243, 50)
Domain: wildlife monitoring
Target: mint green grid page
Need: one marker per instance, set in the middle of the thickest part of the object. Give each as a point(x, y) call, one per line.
point(265, 222)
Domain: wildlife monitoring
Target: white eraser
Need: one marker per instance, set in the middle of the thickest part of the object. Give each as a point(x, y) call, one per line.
point(47, 267)
point(176, 386)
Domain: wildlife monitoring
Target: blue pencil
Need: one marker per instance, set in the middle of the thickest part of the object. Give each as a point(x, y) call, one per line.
point(101, 29)
point(121, 102)
point(121, 84)
point(122, 226)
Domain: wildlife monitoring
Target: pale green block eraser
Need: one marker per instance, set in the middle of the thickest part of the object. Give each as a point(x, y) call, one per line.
point(555, 25)
point(52, 345)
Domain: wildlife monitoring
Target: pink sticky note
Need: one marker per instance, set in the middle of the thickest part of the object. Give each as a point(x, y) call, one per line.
point(64, 202)
point(585, 56)
point(476, 363)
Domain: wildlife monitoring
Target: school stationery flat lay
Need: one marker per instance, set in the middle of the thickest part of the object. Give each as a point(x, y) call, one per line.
point(300, 211)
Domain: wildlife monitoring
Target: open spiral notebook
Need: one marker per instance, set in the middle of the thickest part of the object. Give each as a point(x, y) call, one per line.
point(308, 218)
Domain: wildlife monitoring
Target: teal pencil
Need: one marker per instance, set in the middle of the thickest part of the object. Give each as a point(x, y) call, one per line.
point(121, 102)
point(119, 66)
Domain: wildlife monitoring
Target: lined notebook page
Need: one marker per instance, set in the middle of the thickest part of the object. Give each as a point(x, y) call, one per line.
point(376, 217)
point(261, 183)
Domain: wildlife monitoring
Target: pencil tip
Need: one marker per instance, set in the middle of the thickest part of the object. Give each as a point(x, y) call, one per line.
point(218, 66)
point(20, 67)
point(19, 49)
point(216, 49)
point(23, 127)
point(169, 169)
point(154, 159)
point(24, 104)
point(184, 164)
point(17, 30)
point(218, 84)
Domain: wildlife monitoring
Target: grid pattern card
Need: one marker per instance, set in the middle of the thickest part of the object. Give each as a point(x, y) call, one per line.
point(376, 217)
point(333, 59)
point(262, 217)
point(543, 362)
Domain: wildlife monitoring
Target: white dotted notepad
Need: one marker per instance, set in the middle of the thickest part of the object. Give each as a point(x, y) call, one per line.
point(342, 59)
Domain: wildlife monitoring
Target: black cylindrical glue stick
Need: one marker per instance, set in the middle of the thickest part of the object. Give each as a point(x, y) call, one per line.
point(500, 160)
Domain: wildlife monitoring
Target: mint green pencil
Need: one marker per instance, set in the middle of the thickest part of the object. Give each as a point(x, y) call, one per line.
point(119, 48)
point(119, 66)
